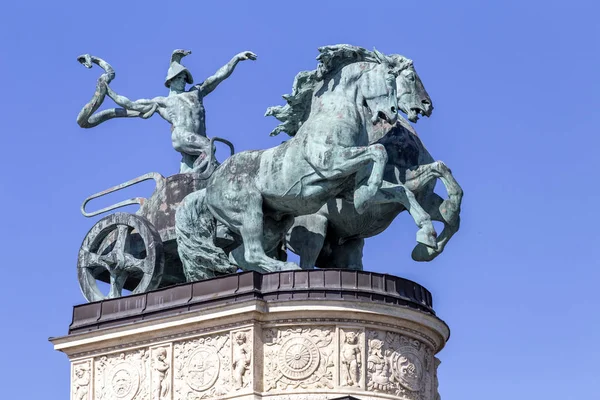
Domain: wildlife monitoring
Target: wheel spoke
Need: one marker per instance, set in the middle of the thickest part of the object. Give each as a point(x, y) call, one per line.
point(94, 260)
point(132, 263)
point(116, 285)
point(122, 234)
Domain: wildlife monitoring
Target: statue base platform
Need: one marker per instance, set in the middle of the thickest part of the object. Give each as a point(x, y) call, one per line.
point(319, 334)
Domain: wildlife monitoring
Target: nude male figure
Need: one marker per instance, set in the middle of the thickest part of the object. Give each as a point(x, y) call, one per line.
point(184, 110)
point(351, 359)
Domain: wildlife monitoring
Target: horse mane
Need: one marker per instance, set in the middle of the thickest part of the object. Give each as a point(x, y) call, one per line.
point(331, 59)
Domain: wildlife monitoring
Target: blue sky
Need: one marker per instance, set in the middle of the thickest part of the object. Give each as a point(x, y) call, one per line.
point(515, 87)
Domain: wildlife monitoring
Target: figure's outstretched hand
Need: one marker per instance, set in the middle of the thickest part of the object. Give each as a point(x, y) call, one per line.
point(85, 60)
point(246, 55)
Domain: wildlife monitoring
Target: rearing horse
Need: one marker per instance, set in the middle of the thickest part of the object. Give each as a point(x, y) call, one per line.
point(334, 236)
point(257, 194)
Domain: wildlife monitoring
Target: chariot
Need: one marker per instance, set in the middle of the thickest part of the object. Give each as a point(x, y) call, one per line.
point(135, 251)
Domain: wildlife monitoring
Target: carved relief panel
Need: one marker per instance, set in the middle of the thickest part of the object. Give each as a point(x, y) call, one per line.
point(292, 360)
point(81, 380)
point(241, 359)
point(123, 376)
point(161, 372)
point(352, 352)
point(399, 365)
point(202, 367)
point(299, 358)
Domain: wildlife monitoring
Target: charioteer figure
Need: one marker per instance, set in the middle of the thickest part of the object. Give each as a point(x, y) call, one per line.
point(184, 110)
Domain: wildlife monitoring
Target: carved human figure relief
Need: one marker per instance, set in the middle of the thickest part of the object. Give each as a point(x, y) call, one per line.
point(378, 367)
point(242, 356)
point(160, 373)
point(351, 353)
point(202, 367)
point(81, 381)
point(123, 376)
point(298, 357)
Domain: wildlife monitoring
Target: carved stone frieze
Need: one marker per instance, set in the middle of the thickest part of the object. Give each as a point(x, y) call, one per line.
point(291, 358)
point(123, 376)
point(399, 365)
point(161, 366)
point(202, 367)
point(81, 380)
point(298, 357)
point(241, 364)
point(352, 350)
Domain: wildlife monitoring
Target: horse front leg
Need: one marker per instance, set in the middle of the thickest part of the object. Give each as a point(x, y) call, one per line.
point(398, 193)
point(418, 178)
point(435, 205)
point(348, 161)
point(443, 210)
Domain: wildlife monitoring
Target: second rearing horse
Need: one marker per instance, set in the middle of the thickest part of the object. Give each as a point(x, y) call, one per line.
point(334, 236)
point(257, 194)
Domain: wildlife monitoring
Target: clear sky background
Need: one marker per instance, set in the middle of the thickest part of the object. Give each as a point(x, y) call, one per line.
point(515, 88)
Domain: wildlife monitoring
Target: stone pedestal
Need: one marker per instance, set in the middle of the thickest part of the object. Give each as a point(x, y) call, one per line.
point(304, 335)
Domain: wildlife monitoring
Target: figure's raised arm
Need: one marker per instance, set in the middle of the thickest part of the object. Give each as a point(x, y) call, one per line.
point(146, 107)
point(224, 72)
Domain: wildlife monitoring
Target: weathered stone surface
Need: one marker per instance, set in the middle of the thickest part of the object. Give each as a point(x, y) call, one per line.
point(278, 347)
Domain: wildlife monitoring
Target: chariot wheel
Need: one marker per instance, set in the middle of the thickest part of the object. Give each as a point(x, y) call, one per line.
point(123, 250)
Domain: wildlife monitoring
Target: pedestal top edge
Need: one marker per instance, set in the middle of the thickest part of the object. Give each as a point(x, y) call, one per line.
point(324, 284)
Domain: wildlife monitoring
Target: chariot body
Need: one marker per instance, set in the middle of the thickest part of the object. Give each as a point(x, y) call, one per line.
point(136, 252)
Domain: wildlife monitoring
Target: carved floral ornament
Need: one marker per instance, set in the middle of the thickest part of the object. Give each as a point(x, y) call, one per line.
point(124, 381)
point(296, 359)
point(203, 369)
point(123, 376)
point(399, 365)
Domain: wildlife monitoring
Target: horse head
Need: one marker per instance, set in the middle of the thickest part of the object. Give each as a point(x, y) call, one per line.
point(376, 84)
point(412, 96)
point(381, 81)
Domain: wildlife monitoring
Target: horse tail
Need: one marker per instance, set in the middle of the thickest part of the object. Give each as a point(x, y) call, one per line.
point(195, 229)
point(86, 117)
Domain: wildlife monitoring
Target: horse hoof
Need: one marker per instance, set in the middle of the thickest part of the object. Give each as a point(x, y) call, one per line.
point(422, 253)
point(428, 238)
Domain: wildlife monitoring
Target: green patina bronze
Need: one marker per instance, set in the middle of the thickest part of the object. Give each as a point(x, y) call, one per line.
point(184, 110)
point(351, 165)
point(334, 236)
